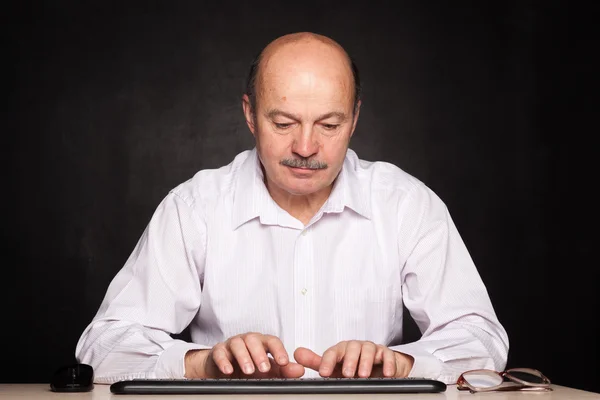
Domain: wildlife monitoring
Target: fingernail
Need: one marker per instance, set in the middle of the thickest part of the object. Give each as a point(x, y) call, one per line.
point(263, 367)
point(282, 360)
point(228, 369)
point(348, 372)
point(248, 369)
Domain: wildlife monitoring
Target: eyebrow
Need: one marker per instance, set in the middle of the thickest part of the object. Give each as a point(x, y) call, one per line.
point(275, 113)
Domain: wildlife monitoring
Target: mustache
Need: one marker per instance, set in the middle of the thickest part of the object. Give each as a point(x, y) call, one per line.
point(303, 163)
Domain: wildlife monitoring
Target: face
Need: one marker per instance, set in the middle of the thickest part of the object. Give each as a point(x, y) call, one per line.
point(303, 119)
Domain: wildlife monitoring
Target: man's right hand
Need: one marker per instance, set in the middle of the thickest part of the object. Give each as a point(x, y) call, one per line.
point(243, 356)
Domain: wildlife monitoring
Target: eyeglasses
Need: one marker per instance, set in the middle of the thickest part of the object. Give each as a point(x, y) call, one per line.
point(486, 380)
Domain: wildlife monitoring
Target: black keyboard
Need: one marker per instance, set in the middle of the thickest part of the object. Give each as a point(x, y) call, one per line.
point(278, 386)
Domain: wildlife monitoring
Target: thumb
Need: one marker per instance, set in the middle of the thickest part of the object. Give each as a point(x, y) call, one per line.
point(308, 358)
point(291, 370)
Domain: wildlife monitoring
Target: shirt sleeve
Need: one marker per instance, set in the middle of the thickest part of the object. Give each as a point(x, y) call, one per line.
point(155, 294)
point(445, 295)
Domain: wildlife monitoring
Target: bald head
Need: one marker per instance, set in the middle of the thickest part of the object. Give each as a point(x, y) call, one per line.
point(302, 56)
point(302, 106)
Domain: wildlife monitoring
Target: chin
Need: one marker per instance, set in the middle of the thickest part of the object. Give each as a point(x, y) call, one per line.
point(301, 189)
point(297, 191)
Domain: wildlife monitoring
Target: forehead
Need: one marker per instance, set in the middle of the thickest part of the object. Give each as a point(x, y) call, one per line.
point(300, 72)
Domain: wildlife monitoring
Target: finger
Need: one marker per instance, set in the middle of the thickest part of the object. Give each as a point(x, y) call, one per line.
point(367, 358)
point(238, 348)
point(330, 359)
point(307, 358)
point(291, 370)
point(222, 359)
point(379, 355)
point(274, 346)
point(404, 364)
point(351, 357)
point(389, 363)
point(273, 372)
point(256, 348)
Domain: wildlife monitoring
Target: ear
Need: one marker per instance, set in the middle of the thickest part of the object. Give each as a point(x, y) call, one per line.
point(249, 114)
point(355, 121)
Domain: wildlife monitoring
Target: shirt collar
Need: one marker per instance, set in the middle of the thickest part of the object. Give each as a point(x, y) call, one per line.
point(252, 199)
point(348, 191)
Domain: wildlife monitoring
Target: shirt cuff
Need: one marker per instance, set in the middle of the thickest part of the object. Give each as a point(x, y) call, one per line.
point(171, 363)
point(425, 366)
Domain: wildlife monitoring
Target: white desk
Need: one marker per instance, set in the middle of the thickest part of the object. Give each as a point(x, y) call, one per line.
point(102, 392)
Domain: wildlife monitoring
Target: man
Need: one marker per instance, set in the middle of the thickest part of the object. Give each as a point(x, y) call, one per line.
point(295, 259)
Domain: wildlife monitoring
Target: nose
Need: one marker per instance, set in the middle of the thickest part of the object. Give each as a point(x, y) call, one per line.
point(305, 143)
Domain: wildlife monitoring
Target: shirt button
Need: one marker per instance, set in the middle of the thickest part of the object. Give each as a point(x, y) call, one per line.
point(303, 291)
point(304, 232)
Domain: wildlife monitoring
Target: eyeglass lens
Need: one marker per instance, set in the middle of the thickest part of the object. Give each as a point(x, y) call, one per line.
point(482, 378)
point(530, 377)
point(486, 379)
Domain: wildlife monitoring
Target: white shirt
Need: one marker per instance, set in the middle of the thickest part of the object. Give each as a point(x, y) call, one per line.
point(221, 256)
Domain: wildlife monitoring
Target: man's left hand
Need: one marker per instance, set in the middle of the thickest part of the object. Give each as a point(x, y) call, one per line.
point(353, 358)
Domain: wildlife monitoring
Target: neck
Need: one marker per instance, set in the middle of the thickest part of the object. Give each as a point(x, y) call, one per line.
point(301, 207)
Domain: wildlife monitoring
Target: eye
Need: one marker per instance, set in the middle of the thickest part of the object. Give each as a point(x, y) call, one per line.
point(282, 126)
point(330, 127)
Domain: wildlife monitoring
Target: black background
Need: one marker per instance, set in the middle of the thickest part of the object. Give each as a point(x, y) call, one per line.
point(111, 104)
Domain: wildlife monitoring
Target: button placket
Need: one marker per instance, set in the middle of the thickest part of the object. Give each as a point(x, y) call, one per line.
point(303, 272)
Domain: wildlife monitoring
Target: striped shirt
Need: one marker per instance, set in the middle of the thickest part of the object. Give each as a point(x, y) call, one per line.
point(221, 256)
